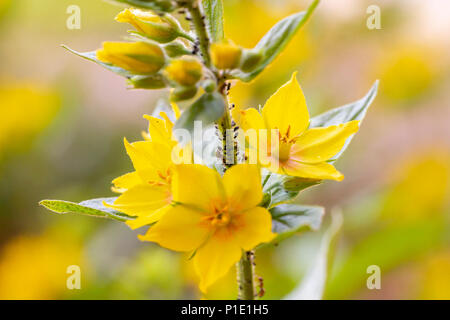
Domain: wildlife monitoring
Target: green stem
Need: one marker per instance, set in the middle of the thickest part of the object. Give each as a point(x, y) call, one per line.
point(245, 276)
point(186, 36)
point(200, 29)
point(245, 266)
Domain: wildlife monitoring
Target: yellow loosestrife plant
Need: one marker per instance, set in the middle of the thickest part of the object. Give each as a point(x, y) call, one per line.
point(224, 207)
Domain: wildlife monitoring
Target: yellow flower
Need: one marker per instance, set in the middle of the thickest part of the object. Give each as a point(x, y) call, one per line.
point(137, 57)
point(217, 217)
point(225, 55)
point(160, 130)
point(159, 28)
point(301, 152)
point(147, 192)
point(185, 71)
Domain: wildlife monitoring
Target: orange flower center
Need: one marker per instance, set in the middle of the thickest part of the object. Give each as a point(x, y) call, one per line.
point(166, 183)
point(219, 216)
point(166, 178)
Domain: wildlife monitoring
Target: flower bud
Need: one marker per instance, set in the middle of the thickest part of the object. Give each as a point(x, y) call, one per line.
point(225, 55)
point(250, 60)
point(184, 71)
point(159, 28)
point(176, 49)
point(154, 81)
point(182, 93)
point(136, 57)
point(209, 85)
point(159, 5)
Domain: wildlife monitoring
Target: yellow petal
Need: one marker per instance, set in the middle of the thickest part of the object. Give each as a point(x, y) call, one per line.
point(243, 186)
point(158, 130)
point(320, 144)
point(286, 109)
point(180, 229)
point(253, 227)
point(127, 181)
point(251, 119)
point(225, 55)
point(144, 220)
point(197, 185)
point(176, 109)
point(319, 171)
point(142, 200)
point(251, 123)
point(169, 123)
point(137, 57)
point(150, 159)
point(185, 71)
point(146, 136)
point(213, 260)
point(154, 26)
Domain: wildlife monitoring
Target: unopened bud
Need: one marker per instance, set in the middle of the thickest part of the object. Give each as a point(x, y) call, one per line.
point(184, 71)
point(176, 49)
point(182, 93)
point(136, 57)
point(155, 81)
point(159, 28)
point(225, 55)
point(250, 60)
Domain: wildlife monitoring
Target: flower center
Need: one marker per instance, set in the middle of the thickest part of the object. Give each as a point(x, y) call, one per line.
point(284, 151)
point(285, 143)
point(166, 178)
point(219, 217)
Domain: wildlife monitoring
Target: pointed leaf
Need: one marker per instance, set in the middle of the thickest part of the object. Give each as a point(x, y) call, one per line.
point(281, 188)
point(288, 219)
point(274, 41)
point(92, 56)
point(92, 207)
point(353, 111)
point(213, 10)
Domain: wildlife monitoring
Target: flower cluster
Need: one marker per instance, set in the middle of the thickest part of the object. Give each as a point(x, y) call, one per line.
point(218, 212)
point(298, 150)
point(194, 209)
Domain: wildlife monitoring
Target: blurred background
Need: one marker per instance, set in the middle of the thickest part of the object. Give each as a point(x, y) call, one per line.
point(63, 119)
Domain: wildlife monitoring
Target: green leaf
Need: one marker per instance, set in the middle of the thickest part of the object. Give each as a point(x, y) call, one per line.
point(313, 283)
point(207, 109)
point(353, 111)
point(288, 219)
point(283, 188)
point(92, 207)
point(92, 56)
point(213, 10)
point(274, 41)
point(157, 5)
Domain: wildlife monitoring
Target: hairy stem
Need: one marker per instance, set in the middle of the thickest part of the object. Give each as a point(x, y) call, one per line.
point(229, 146)
point(245, 271)
point(245, 267)
point(198, 21)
